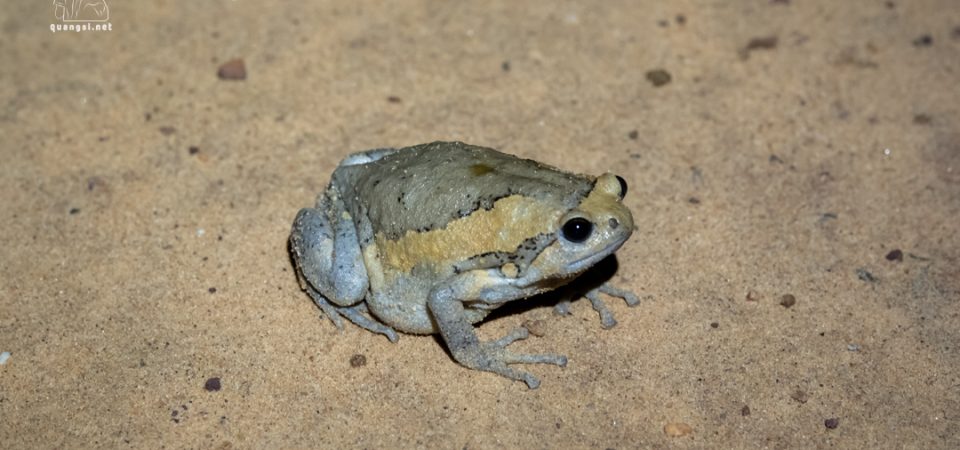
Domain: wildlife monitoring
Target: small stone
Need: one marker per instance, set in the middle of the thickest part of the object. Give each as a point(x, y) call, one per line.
point(537, 327)
point(658, 77)
point(923, 41)
point(394, 99)
point(677, 429)
point(212, 290)
point(753, 296)
point(193, 150)
point(865, 275)
point(358, 360)
point(831, 423)
point(745, 411)
point(74, 211)
point(853, 347)
point(788, 300)
point(233, 70)
point(212, 384)
point(633, 135)
point(895, 255)
point(714, 324)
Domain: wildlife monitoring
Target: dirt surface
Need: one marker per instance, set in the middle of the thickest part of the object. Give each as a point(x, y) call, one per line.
point(794, 171)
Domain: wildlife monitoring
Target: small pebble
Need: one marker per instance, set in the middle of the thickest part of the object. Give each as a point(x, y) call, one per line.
point(853, 347)
point(788, 300)
point(212, 384)
point(658, 77)
point(923, 41)
point(4, 357)
point(753, 296)
point(895, 255)
point(358, 360)
point(212, 290)
point(745, 411)
point(865, 275)
point(677, 429)
point(633, 135)
point(234, 69)
point(537, 328)
point(831, 423)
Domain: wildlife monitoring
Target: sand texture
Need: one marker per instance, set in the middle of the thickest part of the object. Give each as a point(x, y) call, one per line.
point(794, 172)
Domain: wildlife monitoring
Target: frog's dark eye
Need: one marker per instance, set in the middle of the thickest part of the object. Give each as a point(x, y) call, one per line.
point(577, 229)
point(623, 186)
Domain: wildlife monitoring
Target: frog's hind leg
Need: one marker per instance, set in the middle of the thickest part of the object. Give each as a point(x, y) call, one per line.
point(327, 253)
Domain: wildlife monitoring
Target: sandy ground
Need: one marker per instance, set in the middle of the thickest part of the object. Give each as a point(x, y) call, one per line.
point(794, 171)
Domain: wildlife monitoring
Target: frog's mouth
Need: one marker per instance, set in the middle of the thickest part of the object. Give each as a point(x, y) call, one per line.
point(584, 263)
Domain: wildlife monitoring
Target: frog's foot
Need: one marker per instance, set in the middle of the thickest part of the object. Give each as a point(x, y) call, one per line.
point(358, 314)
point(494, 357)
point(606, 317)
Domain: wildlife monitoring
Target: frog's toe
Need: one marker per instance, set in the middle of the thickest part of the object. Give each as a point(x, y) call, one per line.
point(358, 315)
point(627, 296)
point(328, 309)
point(606, 317)
point(562, 308)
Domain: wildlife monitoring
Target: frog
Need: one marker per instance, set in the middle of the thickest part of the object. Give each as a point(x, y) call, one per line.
point(431, 238)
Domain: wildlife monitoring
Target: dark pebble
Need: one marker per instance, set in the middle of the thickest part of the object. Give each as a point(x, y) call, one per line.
point(922, 119)
point(505, 66)
point(358, 360)
point(212, 290)
point(923, 41)
point(212, 384)
point(714, 325)
point(167, 130)
point(745, 411)
point(865, 275)
point(234, 70)
point(633, 134)
point(658, 77)
point(193, 149)
point(394, 99)
point(831, 423)
point(788, 300)
point(895, 255)
point(74, 211)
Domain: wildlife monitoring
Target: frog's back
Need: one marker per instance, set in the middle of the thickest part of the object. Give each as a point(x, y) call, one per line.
point(424, 187)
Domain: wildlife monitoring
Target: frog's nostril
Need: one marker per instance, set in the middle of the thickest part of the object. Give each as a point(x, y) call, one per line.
point(614, 223)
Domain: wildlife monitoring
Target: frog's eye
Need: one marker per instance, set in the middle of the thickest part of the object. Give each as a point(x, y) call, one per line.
point(577, 229)
point(623, 186)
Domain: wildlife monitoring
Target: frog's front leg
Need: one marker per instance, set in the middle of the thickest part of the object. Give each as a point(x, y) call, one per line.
point(446, 304)
point(330, 263)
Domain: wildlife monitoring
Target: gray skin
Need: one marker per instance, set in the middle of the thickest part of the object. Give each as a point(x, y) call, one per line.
point(345, 248)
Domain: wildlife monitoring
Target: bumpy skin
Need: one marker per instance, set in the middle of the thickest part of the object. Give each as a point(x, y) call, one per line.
point(431, 238)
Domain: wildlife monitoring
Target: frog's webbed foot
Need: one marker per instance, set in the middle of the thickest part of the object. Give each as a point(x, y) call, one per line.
point(494, 357)
point(607, 320)
point(358, 314)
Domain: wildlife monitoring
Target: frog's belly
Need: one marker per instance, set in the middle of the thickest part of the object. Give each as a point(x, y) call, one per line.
point(403, 306)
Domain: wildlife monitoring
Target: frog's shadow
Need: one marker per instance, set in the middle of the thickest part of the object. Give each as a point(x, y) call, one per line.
point(600, 273)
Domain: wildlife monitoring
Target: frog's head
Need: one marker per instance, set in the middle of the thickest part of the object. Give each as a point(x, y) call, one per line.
point(589, 232)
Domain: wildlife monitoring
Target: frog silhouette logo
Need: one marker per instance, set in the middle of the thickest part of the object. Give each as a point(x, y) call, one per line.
point(81, 10)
